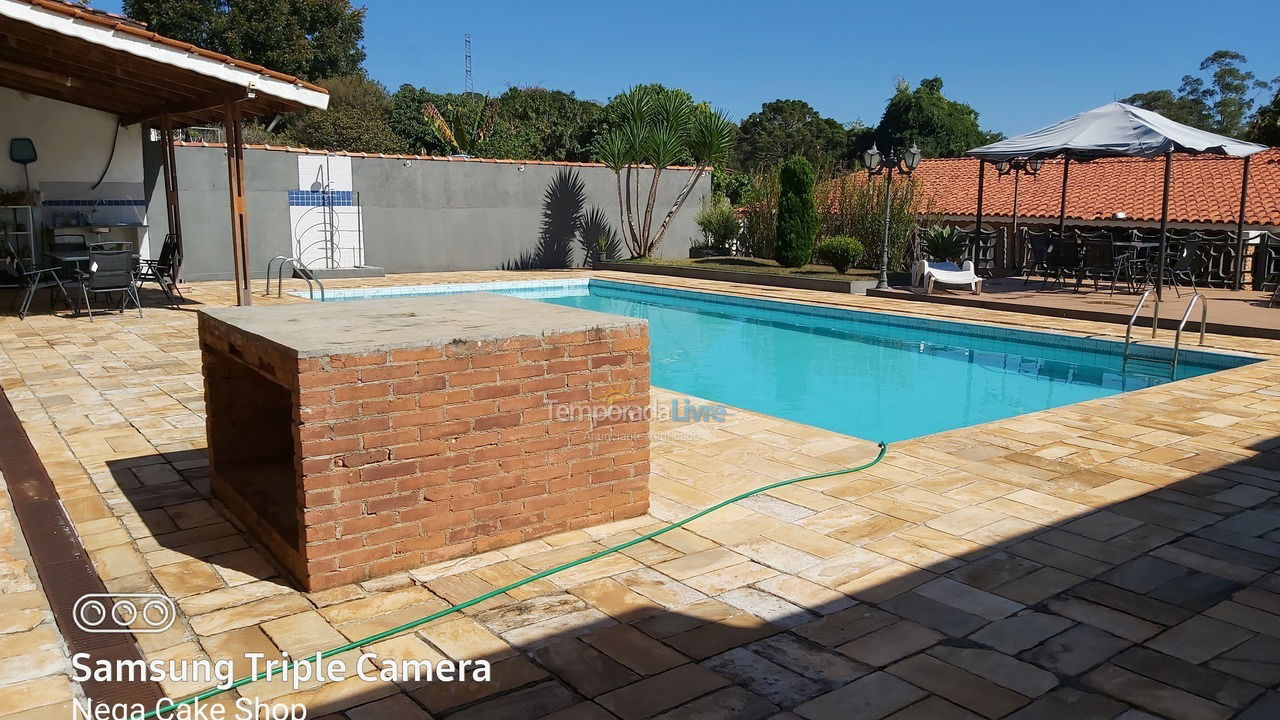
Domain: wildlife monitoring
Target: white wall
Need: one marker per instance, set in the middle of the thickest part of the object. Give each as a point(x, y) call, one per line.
point(73, 142)
point(73, 146)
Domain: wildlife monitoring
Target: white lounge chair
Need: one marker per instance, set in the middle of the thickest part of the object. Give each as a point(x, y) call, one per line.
point(948, 273)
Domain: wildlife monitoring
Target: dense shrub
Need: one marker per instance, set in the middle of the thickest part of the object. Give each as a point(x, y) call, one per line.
point(839, 252)
point(718, 223)
point(760, 213)
point(797, 215)
point(733, 185)
point(944, 243)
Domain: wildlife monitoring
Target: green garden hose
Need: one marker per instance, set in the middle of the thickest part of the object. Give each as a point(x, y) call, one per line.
point(883, 448)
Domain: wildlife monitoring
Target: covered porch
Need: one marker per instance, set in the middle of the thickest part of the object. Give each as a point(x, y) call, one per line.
point(88, 89)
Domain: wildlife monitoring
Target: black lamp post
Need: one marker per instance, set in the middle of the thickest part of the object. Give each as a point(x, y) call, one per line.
point(887, 164)
point(1017, 167)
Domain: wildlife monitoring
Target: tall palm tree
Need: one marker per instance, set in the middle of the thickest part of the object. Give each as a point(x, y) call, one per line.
point(656, 133)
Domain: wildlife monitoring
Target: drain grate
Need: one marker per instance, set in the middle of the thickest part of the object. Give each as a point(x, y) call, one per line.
point(62, 563)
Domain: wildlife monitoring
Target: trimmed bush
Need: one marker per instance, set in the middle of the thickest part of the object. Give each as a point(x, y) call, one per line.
point(839, 252)
point(719, 224)
point(797, 214)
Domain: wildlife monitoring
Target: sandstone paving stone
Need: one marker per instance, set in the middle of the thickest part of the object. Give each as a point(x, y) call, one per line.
point(1071, 704)
point(770, 608)
point(1102, 525)
point(1154, 696)
point(1056, 557)
point(1246, 617)
point(1219, 687)
point(1075, 650)
point(1134, 604)
point(937, 615)
point(1019, 632)
point(777, 684)
point(396, 706)
point(1197, 591)
point(1105, 618)
point(732, 577)
point(506, 675)
point(699, 562)
point(634, 649)
point(959, 686)
point(809, 659)
point(1198, 639)
point(516, 615)
point(254, 613)
point(730, 702)
point(968, 599)
point(585, 669)
point(531, 702)
point(685, 618)
point(1256, 660)
point(1020, 677)
point(462, 638)
point(1038, 585)
point(841, 627)
point(582, 711)
point(39, 693)
point(661, 692)
point(871, 697)
point(720, 635)
point(934, 708)
point(812, 596)
point(993, 570)
point(1144, 574)
point(1265, 708)
point(890, 644)
point(556, 628)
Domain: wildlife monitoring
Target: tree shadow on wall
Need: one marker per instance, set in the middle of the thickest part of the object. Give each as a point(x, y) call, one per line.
point(566, 225)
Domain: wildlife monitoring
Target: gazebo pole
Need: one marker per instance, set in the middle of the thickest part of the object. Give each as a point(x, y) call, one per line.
point(1244, 199)
point(1164, 223)
point(171, 200)
point(977, 229)
point(1062, 205)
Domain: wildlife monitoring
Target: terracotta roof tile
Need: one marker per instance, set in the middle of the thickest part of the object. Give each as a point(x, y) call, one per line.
point(1206, 189)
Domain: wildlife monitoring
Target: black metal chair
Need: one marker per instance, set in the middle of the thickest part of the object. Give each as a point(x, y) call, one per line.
point(1065, 259)
point(163, 271)
point(33, 281)
point(1039, 248)
point(108, 272)
point(1097, 259)
point(1187, 263)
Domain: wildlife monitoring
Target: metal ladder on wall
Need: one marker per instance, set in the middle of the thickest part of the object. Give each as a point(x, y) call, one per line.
point(1155, 323)
point(300, 268)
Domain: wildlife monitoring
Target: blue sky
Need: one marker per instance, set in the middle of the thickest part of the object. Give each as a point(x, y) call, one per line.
point(1009, 60)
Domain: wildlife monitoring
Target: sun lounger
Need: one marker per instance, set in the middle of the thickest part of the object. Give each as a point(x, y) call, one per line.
point(947, 273)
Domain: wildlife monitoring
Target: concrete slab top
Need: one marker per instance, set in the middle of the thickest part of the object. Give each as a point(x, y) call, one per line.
point(318, 329)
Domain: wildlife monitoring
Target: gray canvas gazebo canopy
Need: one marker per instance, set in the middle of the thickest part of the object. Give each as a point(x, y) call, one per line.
point(1119, 130)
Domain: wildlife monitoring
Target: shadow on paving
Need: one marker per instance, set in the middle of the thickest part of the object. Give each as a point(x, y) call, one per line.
point(1166, 603)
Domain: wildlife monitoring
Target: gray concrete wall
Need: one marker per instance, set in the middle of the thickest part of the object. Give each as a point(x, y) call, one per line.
point(427, 216)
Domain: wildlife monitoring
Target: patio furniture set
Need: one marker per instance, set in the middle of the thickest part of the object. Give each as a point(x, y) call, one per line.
point(110, 269)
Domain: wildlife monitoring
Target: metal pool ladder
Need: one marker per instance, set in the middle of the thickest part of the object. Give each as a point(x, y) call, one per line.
point(1197, 297)
point(302, 270)
point(1204, 320)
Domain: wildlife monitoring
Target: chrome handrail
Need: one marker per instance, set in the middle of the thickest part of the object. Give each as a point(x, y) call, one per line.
point(298, 267)
point(1133, 317)
point(1204, 320)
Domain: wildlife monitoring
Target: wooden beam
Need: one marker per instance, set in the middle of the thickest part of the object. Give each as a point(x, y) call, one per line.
point(239, 219)
point(197, 105)
point(171, 196)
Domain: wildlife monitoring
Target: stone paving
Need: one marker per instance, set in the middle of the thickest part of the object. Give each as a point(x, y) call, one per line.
point(1112, 559)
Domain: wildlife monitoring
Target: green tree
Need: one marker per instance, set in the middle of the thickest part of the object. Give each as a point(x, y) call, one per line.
point(357, 119)
point(312, 39)
point(1265, 126)
point(1221, 99)
point(925, 118)
point(658, 130)
point(538, 124)
point(784, 128)
point(797, 214)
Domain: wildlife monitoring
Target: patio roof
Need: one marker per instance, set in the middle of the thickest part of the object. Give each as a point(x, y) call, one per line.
point(1206, 190)
point(105, 62)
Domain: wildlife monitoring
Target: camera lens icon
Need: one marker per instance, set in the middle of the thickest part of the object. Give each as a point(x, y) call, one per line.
point(124, 613)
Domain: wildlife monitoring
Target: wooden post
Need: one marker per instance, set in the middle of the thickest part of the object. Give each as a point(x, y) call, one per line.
point(1062, 205)
point(976, 240)
point(239, 220)
point(171, 201)
point(1244, 201)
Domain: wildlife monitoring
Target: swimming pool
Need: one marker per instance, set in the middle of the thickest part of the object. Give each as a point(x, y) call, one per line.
point(872, 375)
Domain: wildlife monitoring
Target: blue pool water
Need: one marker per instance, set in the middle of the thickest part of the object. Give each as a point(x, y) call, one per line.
point(871, 375)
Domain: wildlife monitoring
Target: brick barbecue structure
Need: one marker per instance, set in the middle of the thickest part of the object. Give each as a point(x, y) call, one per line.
point(358, 439)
